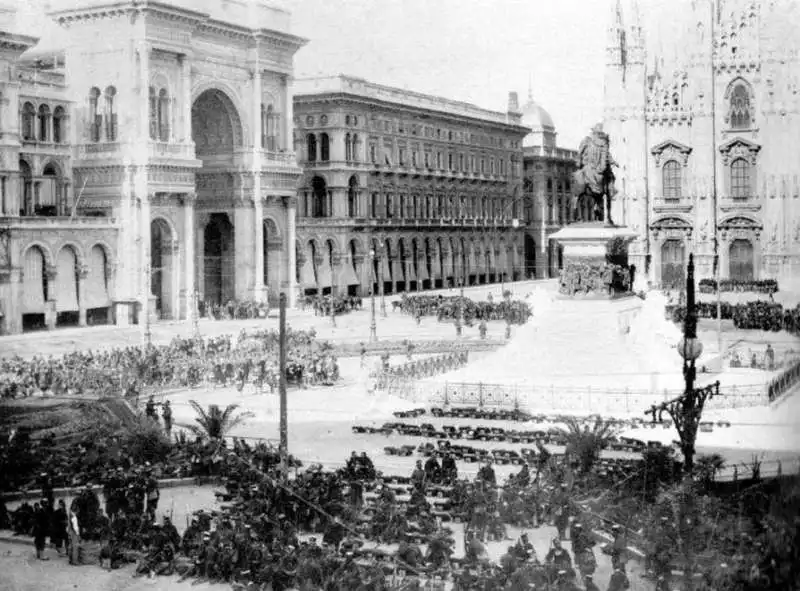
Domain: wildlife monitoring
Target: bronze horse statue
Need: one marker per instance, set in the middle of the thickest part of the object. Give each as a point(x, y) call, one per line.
point(594, 179)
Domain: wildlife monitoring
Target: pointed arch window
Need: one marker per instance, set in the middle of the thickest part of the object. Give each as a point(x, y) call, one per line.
point(95, 120)
point(111, 114)
point(348, 148)
point(740, 107)
point(28, 122)
point(354, 148)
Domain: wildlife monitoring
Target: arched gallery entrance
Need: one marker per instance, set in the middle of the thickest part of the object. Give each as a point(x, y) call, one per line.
point(217, 133)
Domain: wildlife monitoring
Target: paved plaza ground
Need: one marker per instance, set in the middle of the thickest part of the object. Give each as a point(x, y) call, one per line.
point(321, 421)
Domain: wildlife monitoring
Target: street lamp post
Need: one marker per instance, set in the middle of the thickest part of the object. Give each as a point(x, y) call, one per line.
point(686, 410)
point(381, 288)
point(373, 328)
point(147, 335)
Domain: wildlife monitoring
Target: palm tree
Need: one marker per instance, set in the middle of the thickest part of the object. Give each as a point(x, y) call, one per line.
point(707, 466)
point(216, 423)
point(585, 441)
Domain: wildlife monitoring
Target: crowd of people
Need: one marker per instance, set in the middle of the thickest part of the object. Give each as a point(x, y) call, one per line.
point(233, 310)
point(419, 369)
point(322, 304)
point(756, 315)
point(266, 531)
point(767, 286)
point(185, 362)
point(457, 308)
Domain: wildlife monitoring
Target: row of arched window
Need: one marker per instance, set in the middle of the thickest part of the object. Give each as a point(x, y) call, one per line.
point(324, 147)
point(103, 114)
point(741, 179)
point(43, 124)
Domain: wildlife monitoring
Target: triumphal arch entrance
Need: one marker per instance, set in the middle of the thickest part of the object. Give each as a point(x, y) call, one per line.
point(185, 138)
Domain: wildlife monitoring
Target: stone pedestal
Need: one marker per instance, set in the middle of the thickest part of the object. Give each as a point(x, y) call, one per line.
point(595, 260)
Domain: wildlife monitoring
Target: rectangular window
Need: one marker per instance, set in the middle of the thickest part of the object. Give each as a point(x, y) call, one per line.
point(427, 159)
point(414, 159)
point(450, 162)
point(373, 153)
point(740, 179)
point(439, 160)
point(461, 162)
point(672, 180)
point(401, 157)
point(3, 202)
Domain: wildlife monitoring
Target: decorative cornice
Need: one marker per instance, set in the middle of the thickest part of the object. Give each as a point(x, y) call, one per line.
point(671, 148)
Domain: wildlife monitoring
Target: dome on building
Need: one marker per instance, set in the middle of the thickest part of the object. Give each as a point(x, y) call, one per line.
point(536, 117)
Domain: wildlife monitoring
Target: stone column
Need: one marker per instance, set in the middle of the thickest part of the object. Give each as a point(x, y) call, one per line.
point(83, 273)
point(145, 291)
point(259, 289)
point(244, 238)
point(291, 252)
point(189, 258)
point(50, 314)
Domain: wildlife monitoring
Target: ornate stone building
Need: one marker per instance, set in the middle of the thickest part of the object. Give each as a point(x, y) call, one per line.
point(546, 191)
point(404, 189)
point(707, 140)
point(147, 160)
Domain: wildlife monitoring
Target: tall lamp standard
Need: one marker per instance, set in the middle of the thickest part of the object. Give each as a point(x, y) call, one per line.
point(373, 328)
point(381, 288)
point(147, 335)
point(686, 410)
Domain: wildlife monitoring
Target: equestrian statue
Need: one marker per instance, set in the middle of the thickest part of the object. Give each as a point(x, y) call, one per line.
point(594, 179)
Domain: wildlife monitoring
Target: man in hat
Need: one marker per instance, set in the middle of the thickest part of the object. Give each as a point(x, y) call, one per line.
point(418, 476)
point(153, 494)
point(58, 526)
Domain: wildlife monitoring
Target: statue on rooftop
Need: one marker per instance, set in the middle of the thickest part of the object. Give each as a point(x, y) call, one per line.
point(594, 179)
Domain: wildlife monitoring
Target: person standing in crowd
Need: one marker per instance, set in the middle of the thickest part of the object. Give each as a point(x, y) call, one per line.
point(153, 495)
point(150, 409)
point(166, 414)
point(618, 547)
point(73, 536)
point(58, 526)
point(41, 528)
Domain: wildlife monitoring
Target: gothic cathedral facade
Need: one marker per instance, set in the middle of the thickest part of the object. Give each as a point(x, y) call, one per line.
point(707, 145)
point(147, 162)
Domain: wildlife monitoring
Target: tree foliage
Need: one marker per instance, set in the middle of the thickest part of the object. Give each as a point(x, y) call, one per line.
point(214, 422)
point(585, 440)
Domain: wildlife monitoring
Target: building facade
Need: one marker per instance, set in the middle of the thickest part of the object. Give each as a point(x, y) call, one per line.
point(546, 191)
point(147, 161)
point(403, 191)
point(706, 141)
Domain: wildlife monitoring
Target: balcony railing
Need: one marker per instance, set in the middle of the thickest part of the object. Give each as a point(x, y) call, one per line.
point(34, 222)
point(158, 149)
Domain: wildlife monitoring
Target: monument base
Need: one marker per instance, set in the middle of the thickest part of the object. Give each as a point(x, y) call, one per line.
point(595, 259)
